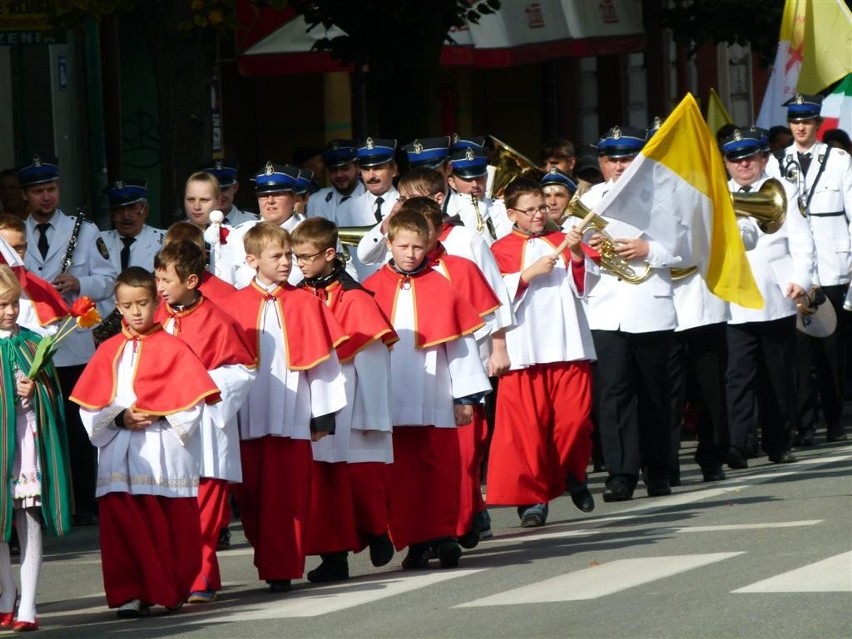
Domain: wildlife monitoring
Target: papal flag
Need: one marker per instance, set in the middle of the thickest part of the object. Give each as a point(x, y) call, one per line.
point(814, 51)
point(676, 191)
point(717, 114)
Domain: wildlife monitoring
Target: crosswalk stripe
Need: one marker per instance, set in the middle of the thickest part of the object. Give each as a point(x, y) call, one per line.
point(733, 527)
point(600, 581)
point(833, 574)
point(316, 601)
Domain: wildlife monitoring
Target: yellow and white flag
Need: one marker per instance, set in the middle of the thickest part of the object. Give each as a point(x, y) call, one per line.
point(717, 114)
point(676, 191)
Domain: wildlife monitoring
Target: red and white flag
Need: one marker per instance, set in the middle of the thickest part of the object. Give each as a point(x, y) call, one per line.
point(837, 108)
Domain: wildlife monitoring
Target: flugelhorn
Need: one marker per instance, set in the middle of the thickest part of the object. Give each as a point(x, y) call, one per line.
point(767, 206)
point(610, 259)
point(351, 236)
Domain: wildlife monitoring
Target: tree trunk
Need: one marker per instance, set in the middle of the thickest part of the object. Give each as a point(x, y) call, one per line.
point(183, 66)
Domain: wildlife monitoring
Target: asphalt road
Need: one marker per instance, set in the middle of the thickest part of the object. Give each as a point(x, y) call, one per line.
point(765, 553)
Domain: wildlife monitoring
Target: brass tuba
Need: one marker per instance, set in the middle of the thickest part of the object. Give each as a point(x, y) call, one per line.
point(509, 164)
point(767, 205)
point(610, 260)
point(351, 236)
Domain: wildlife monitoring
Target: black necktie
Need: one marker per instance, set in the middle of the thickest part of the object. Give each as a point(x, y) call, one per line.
point(42, 239)
point(125, 251)
point(805, 162)
point(745, 189)
point(379, 202)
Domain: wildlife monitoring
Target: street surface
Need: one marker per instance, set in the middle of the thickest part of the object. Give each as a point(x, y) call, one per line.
point(766, 553)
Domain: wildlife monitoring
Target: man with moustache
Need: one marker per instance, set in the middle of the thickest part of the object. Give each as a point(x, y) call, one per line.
point(335, 202)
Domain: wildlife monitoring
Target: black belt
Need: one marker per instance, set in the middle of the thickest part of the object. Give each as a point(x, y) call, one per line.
point(832, 214)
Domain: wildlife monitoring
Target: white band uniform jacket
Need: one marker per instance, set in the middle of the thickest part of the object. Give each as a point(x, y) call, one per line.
point(695, 305)
point(372, 250)
point(793, 239)
point(340, 209)
point(615, 305)
point(142, 251)
point(161, 459)
point(95, 272)
point(233, 267)
point(832, 194)
point(494, 210)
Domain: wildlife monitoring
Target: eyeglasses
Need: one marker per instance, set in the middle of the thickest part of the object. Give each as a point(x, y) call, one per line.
point(305, 259)
point(532, 210)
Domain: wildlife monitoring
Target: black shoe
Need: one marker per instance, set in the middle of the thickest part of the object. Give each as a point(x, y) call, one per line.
point(674, 478)
point(469, 540)
point(224, 539)
point(783, 458)
point(617, 490)
point(449, 552)
point(279, 585)
point(417, 557)
point(583, 499)
point(659, 488)
point(835, 434)
point(804, 437)
point(381, 550)
point(334, 567)
point(713, 473)
point(736, 460)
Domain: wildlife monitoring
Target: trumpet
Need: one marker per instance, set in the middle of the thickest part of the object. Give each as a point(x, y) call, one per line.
point(351, 236)
point(610, 259)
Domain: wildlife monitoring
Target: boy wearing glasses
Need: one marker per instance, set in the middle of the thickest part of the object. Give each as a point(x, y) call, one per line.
point(542, 434)
point(349, 499)
point(297, 392)
point(275, 186)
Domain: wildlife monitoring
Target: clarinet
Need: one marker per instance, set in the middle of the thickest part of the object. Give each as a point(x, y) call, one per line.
point(72, 242)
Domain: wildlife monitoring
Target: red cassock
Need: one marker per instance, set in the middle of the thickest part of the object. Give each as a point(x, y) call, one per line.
point(349, 502)
point(427, 468)
point(274, 519)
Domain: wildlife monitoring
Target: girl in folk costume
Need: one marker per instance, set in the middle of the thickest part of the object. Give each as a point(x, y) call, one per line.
point(542, 435)
point(441, 377)
point(141, 399)
point(34, 485)
point(349, 497)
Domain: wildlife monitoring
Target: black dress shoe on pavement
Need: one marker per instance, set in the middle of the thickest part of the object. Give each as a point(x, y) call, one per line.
point(783, 458)
point(617, 490)
point(381, 550)
point(417, 557)
point(713, 473)
point(583, 499)
point(659, 488)
point(449, 552)
point(835, 434)
point(737, 460)
point(279, 585)
point(334, 567)
point(804, 437)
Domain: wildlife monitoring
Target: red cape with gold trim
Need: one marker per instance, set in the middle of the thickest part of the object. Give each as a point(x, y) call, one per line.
point(167, 378)
point(215, 288)
point(509, 250)
point(360, 317)
point(215, 337)
point(310, 329)
point(441, 313)
point(468, 280)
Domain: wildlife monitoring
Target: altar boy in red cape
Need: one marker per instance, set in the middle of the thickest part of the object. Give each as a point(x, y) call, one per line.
point(349, 501)
point(141, 397)
point(542, 432)
point(438, 376)
point(222, 346)
point(298, 389)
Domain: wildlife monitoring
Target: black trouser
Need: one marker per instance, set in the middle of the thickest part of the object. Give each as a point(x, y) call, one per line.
point(760, 369)
point(821, 368)
point(698, 361)
point(634, 402)
point(83, 456)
